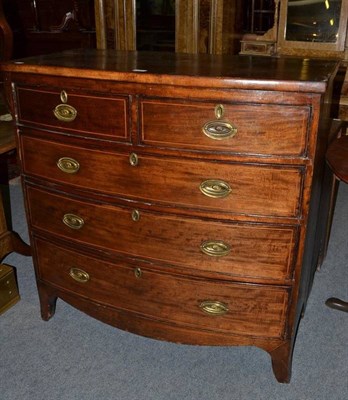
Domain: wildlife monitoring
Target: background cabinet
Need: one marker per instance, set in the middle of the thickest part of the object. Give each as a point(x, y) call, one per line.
point(44, 26)
point(190, 26)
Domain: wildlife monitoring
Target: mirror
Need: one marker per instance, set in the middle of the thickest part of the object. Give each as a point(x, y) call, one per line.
point(312, 25)
point(313, 20)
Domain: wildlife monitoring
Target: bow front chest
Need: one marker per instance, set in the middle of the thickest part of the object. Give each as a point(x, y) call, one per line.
point(176, 196)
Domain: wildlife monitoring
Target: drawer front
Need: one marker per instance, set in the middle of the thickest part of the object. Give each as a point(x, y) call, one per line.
point(213, 305)
point(95, 115)
point(258, 129)
point(233, 188)
point(241, 250)
point(8, 288)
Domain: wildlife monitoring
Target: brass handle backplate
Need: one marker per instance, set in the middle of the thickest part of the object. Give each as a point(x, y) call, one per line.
point(79, 275)
point(73, 221)
point(215, 188)
point(219, 129)
point(65, 112)
point(68, 165)
point(214, 307)
point(215, 248)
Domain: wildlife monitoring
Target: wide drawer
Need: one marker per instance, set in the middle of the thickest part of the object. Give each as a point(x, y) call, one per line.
point(241, 250)
point(257, 189)
point(261, 129)
point(81, 113)
point(211, 305)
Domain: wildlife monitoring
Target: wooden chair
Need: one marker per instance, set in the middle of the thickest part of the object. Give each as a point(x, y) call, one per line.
point(9, 240)
point(337, 159)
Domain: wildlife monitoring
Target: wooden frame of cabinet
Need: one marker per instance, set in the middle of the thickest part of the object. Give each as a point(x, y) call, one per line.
point(118, 15)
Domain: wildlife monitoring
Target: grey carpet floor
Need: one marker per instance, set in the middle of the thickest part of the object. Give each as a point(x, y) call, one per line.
point(76, 357)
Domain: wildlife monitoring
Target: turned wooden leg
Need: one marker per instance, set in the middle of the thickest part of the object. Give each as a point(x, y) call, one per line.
point(48, 301)
point(281, 362)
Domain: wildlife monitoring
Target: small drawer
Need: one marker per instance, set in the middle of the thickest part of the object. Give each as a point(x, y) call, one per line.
point(218, 306)
point(8, 288)
point(80, 113)
point(255, 129)
point(240, 250)
point(249, 189)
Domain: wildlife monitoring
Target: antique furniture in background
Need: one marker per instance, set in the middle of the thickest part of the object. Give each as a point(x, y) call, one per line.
point(9, 295)
point(343, 109)
point(313, 28)
point(9, 240)
point(259, 15)
point(337, 159)
point(190, 26)
point(156, 206)
point(6, 36)
point(45, 26)
point(266, 44)
point(310, 28)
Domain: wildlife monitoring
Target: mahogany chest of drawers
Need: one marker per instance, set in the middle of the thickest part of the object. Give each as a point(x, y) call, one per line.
point(176, 196)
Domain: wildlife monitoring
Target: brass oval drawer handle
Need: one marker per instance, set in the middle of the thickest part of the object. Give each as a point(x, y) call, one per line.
point(68, 165)
point(73, 221)
point(214, 307)
point(219, 129)
point(215, 188)
point(79, 275)
point(65, 112)
point(215, 248)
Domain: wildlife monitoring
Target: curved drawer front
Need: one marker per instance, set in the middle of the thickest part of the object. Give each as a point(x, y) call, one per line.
point(257, 189)
point(256, 128)
point(212, 305)
point(241, 250)
point(82, 113)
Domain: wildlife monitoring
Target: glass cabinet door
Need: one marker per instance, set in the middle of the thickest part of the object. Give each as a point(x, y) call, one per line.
point(155, 25)
point(189, 26)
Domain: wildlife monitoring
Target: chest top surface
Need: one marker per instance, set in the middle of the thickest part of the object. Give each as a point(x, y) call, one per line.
point(228, 71)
